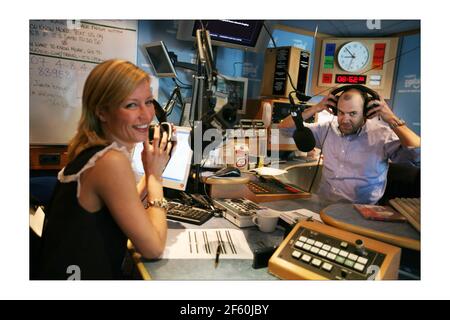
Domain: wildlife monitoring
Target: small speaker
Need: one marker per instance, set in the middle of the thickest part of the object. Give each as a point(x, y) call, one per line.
point(278, 62)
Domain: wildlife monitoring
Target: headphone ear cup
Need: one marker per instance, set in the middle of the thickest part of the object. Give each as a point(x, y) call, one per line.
point(367, 108)
point(337, 93)
point(369, 96)
point(334, 109)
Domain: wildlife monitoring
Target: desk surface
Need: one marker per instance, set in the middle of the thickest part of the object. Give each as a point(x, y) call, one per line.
point(203, 269)
point(346, 217)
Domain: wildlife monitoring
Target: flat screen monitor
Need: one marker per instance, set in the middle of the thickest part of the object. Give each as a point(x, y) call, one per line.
point(241, 34)
point(159, 58)
point(176, 173)
point(235, 89)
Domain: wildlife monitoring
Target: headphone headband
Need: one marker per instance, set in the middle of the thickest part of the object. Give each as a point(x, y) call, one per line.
point(367, 93)
point(358, 87)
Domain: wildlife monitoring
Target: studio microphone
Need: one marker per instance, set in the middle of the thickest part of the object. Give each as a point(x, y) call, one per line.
point(159, 112)
point(302, 97)
point(303, 136)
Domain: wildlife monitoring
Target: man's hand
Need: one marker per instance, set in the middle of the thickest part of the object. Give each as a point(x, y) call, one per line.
point(328, 102)
point(325, 104)
point(408, 138)
point(381, 110)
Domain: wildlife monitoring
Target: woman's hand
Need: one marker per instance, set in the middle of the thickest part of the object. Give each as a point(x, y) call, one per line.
point(155, 155)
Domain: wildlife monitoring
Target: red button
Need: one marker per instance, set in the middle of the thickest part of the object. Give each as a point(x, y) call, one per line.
point(327, 78)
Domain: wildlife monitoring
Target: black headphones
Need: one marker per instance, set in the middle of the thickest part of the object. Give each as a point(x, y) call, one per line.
point(367, 94)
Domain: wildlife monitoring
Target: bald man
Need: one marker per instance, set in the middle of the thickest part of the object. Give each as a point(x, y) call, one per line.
point(357, 148)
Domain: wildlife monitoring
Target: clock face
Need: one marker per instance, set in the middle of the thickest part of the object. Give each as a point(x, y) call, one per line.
point(353, 56)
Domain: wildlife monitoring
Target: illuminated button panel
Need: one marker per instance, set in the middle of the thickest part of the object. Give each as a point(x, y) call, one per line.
point(330, 257)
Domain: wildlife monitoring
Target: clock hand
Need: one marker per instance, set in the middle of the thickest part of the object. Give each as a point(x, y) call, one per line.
point(351, 60)
point(350, 52)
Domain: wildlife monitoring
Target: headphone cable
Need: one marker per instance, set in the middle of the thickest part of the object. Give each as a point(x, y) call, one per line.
point(318, 161)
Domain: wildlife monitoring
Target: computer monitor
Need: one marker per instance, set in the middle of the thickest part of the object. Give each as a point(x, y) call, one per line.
point(176, 173)
point(235, 89)
point(241, 34)
point(159, 58)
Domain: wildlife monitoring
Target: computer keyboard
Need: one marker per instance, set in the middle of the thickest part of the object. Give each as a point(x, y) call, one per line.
point(271, 185)
point(185, 213)
point(267, 188)
point(409, 208)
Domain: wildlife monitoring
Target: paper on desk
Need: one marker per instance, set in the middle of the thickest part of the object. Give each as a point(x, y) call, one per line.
point(268, 171)
point(37, 220)
point(203, 243)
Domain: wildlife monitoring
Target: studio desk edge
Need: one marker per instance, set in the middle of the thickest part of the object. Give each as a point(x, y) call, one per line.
point(382, 236)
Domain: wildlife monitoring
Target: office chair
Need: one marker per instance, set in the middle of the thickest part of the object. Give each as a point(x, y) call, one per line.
point(403, 181)
point(41, 190)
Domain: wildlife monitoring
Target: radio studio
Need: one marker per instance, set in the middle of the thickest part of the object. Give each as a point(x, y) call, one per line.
point(224, 149)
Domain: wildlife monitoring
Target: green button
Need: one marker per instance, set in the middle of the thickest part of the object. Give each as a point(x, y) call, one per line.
point(340, 260)
point(349, 263)
point(328, 62)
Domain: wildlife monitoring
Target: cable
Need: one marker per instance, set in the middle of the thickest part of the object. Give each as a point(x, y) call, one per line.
point(270, 35)
point(275, 46)
point(332, 88)
point(377, 66)
point(326, 134)
point(329, 89)
point(183, 85)
point(217, 212)
point(318, 161)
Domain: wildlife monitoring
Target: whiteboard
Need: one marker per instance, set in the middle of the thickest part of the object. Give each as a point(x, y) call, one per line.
point(62, 53)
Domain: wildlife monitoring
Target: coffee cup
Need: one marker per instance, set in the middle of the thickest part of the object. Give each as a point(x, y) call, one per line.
point(266, 220)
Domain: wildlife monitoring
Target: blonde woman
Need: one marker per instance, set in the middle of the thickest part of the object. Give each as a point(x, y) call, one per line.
point(96, 205)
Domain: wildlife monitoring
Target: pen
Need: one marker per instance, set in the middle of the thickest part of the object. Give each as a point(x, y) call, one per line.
point(217, 256)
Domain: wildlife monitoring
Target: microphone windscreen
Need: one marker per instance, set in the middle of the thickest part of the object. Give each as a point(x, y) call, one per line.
point(159, 112)
point(302, 97)
point(304, 139)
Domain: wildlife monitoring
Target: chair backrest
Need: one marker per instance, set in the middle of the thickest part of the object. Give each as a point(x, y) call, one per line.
point(41, 190)
point(403, 181)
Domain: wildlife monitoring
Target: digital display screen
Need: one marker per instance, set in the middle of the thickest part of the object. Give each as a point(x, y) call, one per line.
point(350, 79)
point(176, 173)
point(159, 58)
